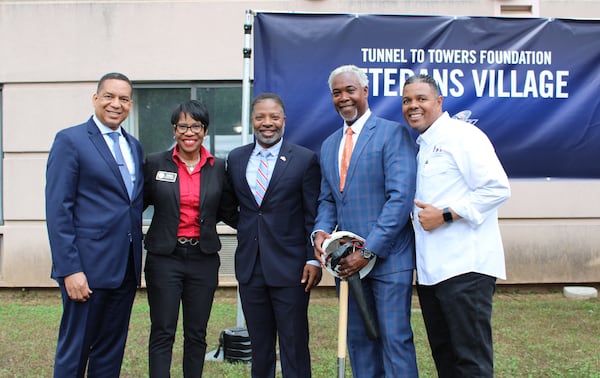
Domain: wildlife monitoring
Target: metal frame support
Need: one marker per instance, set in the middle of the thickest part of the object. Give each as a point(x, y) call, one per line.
point(247, 51)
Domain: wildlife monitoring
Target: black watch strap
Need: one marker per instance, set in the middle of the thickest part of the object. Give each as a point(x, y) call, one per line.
point(447, 215)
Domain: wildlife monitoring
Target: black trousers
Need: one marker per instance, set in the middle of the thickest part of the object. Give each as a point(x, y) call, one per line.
point(188, 278)
point(274, 312)
point(457, 314)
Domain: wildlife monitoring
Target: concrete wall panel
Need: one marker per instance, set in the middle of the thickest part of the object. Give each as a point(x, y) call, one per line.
point(34, 112)
point(24, 181)
point(53, 53)
point(550, 251)
point(25, 255)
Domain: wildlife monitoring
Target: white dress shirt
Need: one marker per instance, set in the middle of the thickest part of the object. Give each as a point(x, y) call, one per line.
point(254, 162)
point(356, 128)
point(125, 149)
point(457, 167)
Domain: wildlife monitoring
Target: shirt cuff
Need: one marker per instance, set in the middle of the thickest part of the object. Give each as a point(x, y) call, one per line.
point(312, 237)
point(314, 263)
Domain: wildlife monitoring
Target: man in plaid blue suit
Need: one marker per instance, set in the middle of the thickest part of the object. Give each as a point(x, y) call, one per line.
point(375, 203)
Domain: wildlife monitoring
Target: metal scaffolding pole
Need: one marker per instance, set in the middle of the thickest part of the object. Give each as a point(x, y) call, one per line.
point(247, 51)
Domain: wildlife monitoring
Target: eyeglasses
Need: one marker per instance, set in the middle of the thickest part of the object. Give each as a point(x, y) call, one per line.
point(182, 128)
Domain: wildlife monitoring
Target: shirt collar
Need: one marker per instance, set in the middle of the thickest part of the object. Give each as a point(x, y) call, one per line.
point(274, 149)
point(433, 130)
point(103, 128)
point(359, 123)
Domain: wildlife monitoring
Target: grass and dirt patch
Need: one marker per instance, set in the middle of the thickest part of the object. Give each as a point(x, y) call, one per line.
point(537, 333)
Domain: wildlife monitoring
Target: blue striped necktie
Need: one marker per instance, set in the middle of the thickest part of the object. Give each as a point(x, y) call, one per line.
point(121, 162)
point(262, 177)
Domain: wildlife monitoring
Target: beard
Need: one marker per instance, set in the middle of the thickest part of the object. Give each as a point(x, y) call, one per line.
point(349, 119)
point(269, 141)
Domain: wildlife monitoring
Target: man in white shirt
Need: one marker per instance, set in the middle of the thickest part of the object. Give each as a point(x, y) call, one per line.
point(460, 186)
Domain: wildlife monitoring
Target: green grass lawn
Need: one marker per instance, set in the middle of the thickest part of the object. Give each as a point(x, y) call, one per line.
point(537, 333)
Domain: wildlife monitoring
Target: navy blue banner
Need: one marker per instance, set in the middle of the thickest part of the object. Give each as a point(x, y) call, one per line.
point(532, 85)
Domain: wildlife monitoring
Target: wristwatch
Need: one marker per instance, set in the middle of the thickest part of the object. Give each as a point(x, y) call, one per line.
point(367, 253)
point(447, 215)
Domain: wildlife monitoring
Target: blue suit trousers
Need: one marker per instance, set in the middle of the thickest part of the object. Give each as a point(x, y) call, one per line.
point(392, 355)
point(92, 334)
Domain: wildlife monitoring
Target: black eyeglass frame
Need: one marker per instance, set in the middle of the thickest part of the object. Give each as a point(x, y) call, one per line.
point(182, 129)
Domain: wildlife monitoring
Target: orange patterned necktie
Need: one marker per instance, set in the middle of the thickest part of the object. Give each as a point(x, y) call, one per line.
point(346, 154)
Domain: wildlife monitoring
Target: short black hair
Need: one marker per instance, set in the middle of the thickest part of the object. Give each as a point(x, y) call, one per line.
point(268, 96)
point(113, 76)
point(423, 78)
point(196, 109)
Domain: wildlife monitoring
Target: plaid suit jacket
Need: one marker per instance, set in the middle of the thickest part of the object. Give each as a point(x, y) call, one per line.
point(378, 194)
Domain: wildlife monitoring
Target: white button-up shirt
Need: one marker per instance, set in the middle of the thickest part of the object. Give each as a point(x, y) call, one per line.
point(125, 149)
point(254, 162)
point(457, 167)
point(357, 127)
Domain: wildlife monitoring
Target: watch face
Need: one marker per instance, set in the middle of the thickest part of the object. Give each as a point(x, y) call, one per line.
point(366, 253)
point(447, 215)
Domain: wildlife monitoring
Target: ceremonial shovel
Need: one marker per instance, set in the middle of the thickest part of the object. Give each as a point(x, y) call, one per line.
point(340, 245)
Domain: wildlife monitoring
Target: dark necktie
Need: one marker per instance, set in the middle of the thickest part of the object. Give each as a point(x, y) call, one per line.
point(121, 162)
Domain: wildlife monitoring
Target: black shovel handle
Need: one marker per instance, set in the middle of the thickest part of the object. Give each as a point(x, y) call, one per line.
point(359, 296)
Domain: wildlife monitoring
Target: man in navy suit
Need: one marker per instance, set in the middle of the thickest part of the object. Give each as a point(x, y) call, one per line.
point(94, 218)
point(274, 261)
point(375, 203)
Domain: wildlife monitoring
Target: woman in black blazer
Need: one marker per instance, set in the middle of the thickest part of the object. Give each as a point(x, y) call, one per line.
point(190, 193)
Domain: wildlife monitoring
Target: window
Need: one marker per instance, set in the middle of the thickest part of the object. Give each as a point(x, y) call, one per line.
point(517, 8)
point(153, 105)
point(225, 111)
point(150, 120)
point(152, 115)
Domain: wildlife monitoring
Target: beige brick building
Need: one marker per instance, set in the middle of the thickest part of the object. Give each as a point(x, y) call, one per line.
point(53, 52)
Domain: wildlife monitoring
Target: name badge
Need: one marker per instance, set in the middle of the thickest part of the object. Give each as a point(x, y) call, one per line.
point(166, 176)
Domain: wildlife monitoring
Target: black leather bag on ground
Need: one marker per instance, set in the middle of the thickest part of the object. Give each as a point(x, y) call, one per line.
point(236, 346)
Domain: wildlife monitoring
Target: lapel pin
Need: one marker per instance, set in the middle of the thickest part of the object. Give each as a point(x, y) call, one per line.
point(282, 158)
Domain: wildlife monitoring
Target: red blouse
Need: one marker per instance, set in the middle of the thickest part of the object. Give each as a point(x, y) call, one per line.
point(189, 193)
